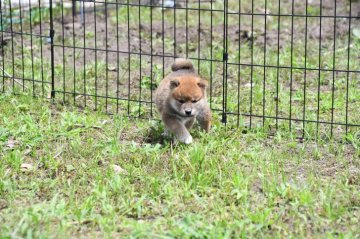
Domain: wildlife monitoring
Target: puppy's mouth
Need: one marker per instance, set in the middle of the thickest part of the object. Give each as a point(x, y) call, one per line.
point(187, 116)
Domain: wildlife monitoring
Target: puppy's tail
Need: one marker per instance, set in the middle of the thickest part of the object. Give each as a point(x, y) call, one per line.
point(182, 64)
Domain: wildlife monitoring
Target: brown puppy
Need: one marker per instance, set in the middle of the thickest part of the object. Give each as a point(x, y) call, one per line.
point(180, 99)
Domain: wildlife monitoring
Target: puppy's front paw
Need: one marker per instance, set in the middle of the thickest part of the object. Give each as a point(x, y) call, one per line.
point(188, 140)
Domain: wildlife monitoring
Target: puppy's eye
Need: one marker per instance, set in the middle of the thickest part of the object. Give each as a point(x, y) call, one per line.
point(181, 101)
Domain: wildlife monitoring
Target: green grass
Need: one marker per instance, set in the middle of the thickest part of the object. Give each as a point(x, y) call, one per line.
point(67, 171)
point(57, 179)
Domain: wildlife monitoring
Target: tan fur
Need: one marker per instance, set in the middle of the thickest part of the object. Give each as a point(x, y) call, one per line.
point(181, 98)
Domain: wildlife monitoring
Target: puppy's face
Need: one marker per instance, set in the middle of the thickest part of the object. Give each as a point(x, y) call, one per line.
point(187, 95)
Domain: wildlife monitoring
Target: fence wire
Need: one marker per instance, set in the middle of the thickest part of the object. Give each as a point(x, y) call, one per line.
point(275, 64)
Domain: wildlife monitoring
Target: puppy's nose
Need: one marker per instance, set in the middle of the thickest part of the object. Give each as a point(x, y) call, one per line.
point(188, 112)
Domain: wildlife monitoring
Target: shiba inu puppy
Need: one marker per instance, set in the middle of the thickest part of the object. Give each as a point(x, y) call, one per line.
point(180, 99)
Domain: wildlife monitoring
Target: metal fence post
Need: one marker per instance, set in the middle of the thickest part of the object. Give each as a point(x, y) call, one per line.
point(51, 35)
point(225, 59)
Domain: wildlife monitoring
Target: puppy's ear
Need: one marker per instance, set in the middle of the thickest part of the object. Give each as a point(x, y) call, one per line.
point(202, 84)
point(174, 83)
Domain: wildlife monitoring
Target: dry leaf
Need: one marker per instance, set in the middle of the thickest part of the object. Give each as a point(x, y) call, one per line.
point(27, 151)
point(48, 95)
point(58, 154)
point(97, 127)
point(249, 85)
point(119, 170)
point(26, 167)
point(112, 68)
point(12, 143)
point(356, 32)
point(79, 96)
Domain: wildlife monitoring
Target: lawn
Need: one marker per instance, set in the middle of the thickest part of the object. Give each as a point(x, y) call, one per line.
point(67, 172)
point(91, 161)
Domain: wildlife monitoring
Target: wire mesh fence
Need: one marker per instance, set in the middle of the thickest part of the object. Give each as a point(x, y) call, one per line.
point(278, 64)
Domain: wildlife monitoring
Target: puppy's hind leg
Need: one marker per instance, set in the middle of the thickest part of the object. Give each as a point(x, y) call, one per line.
point(204, 119)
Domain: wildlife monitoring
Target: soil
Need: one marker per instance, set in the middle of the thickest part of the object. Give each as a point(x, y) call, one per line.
point(73, 27)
